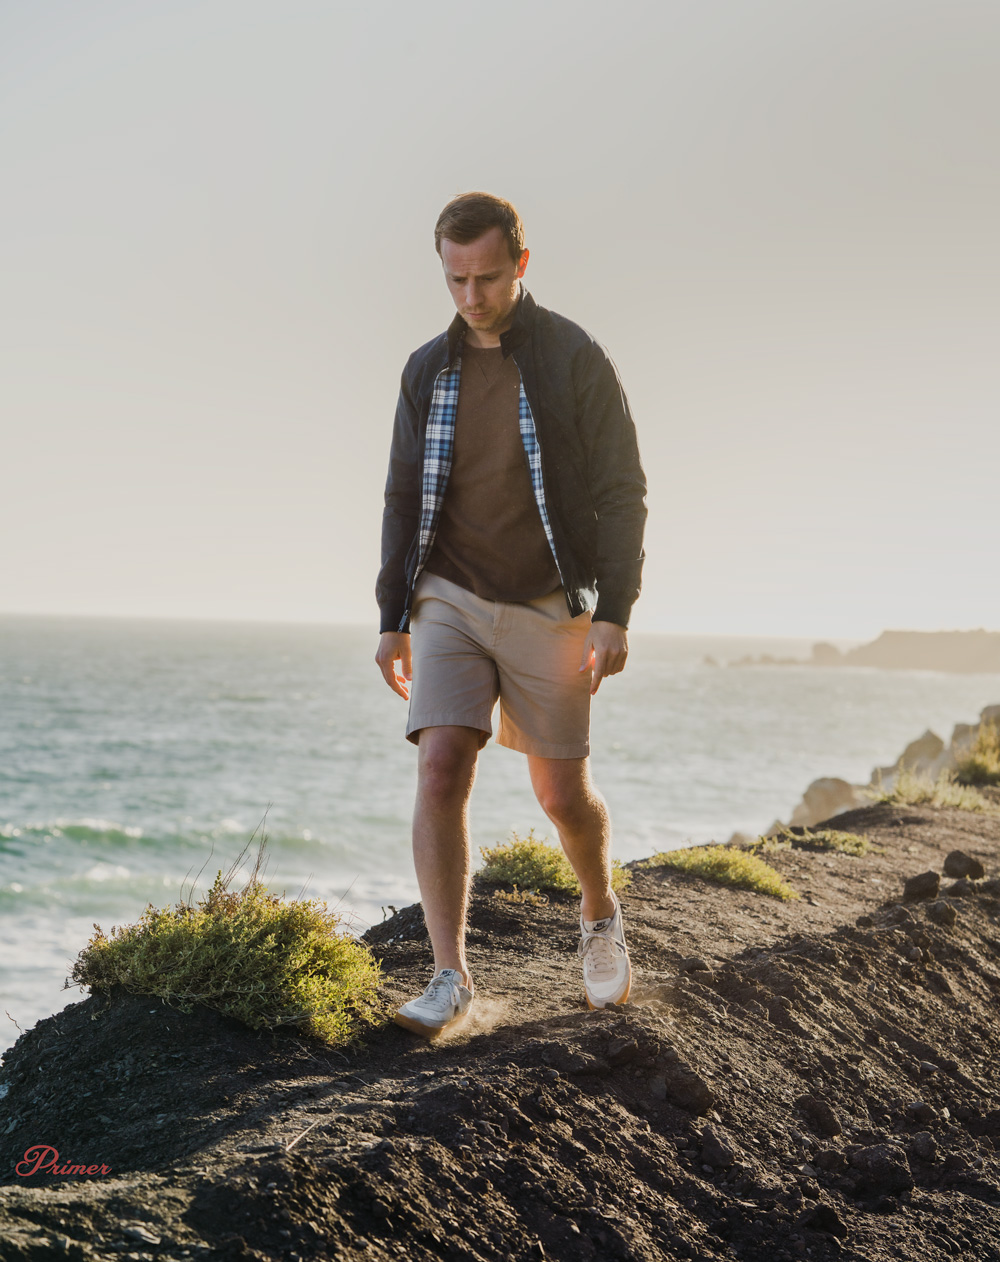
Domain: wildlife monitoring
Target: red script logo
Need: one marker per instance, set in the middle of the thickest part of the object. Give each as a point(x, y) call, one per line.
point(44, 1159)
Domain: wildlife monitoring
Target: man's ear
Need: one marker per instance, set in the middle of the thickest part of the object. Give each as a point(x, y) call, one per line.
point(522, 265)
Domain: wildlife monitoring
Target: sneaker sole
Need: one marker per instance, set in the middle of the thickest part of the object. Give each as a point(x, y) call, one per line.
point(429, 1031)
point(596, 1007)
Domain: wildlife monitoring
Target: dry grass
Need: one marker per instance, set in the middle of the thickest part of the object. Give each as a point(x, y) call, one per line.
point(856, 844)
point(727, 865)
point(912, 790)
point(981, 765)
point(531, 897)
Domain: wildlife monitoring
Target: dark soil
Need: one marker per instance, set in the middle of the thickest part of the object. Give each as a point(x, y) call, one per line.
point(814, 1079)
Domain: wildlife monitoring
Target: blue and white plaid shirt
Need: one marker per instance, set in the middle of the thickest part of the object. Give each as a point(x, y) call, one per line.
point(439, 444)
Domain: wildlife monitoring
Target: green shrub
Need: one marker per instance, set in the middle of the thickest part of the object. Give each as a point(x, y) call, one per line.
point(912, 790)
point(246, 953)
point(531, 864)
point(726, 865)
point(981, 765)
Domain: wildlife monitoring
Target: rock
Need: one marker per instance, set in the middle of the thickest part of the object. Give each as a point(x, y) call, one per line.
point(570, 1060)
point(880, 1169)
point(687, 1089)
point(941, 913)
point(820, 1115)
point(832, 1160)
point(824, 798)
point(141, 1234)
point(925, 885)
point(823, 1217)
point(715, 1151)
point(923, 1146)
point(920, 1111)
point(963, 737)
point(694, 964)
point(958, 863)
point(622, 1051)
point(928, 1067)
point(940, 983)
point(921, 753)
point(824, 654)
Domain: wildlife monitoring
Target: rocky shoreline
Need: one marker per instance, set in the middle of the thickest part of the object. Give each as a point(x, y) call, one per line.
point(806, 1079)
point(927, 756)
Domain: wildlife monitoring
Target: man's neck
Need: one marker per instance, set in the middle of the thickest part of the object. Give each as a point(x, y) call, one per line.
point(481, 340)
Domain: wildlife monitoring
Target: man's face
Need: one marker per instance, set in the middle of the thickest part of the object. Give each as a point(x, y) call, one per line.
point(483, 279)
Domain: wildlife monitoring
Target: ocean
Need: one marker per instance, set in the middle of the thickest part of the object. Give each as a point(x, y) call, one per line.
point(139, 756)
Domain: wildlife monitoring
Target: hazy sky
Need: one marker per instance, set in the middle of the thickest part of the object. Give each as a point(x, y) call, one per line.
point(779, 215)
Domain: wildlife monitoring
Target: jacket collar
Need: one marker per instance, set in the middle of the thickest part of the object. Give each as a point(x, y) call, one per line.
point(524, 318)
point(524, 315)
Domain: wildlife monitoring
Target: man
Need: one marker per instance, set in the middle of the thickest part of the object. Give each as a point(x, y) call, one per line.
point(512, 542)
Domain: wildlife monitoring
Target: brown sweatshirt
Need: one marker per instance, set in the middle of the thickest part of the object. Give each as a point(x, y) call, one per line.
point(490, 538)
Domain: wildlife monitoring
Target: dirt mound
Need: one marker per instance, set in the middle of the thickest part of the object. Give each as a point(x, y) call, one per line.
point(807, 1079)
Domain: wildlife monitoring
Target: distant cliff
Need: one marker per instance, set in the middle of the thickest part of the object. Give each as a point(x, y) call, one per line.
point(958, 652)
point(961, 652)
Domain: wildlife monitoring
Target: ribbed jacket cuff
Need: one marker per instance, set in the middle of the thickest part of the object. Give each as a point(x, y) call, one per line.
point(617, 609)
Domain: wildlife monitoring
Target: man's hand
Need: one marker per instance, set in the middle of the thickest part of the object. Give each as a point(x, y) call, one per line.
point(393, 647)
point(606, 649)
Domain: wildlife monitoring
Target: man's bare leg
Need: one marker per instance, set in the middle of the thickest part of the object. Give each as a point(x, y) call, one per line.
point(446, 771)
point(570, 799)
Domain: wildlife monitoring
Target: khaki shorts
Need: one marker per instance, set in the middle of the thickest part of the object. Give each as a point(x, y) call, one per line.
point(468, 652)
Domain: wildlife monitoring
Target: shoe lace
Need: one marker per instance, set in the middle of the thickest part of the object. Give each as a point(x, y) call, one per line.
point(599, 949)
point(442, 992)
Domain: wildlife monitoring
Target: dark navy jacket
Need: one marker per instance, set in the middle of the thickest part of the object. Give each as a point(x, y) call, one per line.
point(594, 486)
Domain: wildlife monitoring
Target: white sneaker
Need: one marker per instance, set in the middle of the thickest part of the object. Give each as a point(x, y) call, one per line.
point(444, 1003)
point(607, 973)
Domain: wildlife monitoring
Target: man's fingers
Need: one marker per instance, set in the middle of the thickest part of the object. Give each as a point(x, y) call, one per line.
point(388, 668)
point(406, 660)
point(606, 662)
point(389, 674)
point(600, 670)
point(398, 686)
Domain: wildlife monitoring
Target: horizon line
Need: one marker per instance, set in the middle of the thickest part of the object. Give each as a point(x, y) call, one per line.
point(201, 619)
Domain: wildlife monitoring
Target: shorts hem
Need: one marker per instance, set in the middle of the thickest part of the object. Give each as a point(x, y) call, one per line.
point(543, 749)
point(478, 721)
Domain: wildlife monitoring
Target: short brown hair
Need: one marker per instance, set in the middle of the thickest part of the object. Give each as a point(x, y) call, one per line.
point(469, 215)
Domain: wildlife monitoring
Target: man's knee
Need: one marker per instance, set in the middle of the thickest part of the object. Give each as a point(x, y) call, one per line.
point(446, 760)
point(567, 803)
